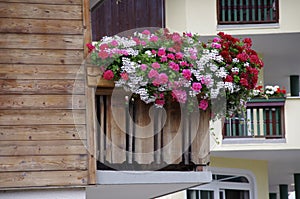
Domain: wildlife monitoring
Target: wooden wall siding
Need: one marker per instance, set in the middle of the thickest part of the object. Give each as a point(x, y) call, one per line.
point(43, 130)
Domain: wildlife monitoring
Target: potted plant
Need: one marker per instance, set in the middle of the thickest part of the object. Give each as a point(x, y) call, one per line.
point(161, 68)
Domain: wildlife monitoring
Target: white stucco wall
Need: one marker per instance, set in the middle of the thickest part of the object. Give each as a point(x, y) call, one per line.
point(200, 16)
point(76, 193)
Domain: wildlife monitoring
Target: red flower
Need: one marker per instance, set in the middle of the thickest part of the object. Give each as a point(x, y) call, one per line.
point(90, 47)
point(244, 82)
point(108, 75)
point(228, 78)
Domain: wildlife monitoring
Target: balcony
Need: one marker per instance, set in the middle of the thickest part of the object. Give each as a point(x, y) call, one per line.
point(264, 118)
point(232, 12)
point(135, 136)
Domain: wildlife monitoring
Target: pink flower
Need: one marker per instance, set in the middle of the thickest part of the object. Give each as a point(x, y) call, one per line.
point(171, 50)
point(163, 78)
point(171, 56)
point(114, 43)
point(186, 74)
point(108, 75)
point(216, 39)
point(203, 104)
point(174, 66)
point(152, 73)
point(176, 37)
point(103, 46)
point(143, 43)
point(179, 55)
point(179, 95)
point(189, 34)
point(161, 52)
point(183, 63)
point(196, 86)
point(164, 59)
point(216, 45)
point(146, 32)
point(137, 40)
point(155, 65)
point(206, 80)
point(124, 76)
point(154, 38)
point(103, 54)
point(160, 102)
point(143, 67)
point(160, 79)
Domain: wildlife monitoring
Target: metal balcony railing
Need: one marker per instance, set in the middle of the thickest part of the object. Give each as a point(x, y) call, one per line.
point(263, 118)
point(247, 11)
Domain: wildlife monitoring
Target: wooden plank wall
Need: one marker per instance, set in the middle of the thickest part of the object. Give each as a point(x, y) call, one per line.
point(43, 130)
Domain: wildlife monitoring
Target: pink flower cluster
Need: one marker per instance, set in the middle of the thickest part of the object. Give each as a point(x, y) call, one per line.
point(163, 65)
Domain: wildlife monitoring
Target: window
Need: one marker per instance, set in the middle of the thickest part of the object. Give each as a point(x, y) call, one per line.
point(226, 184)
point(247, 11)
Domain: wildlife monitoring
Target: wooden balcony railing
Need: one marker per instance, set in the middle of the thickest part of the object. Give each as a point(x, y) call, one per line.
point(167, 140)
point(263, 118)
point(247, 11)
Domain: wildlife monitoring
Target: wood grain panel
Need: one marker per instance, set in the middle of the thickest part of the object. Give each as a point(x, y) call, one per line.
point(24, 71)
point(43, 163)
point(46, 178)
point(56, 2)
point(37, 41)
point(41, 87)
point(43, 132)
point(40, 11)
point(42, 102)
point(53, 147)
point(41, 117)
point(11, 25)
point(18, 56)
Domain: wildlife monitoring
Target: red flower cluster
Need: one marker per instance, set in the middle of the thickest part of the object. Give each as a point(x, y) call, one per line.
point(236, 54)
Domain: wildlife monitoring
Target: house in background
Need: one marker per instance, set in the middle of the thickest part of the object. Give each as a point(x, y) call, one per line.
point(48, 138)
point(50, 143)
point(259, 155)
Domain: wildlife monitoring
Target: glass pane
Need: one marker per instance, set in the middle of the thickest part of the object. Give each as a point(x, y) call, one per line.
point(206, 195)
point(236, 194)
point(192, 194)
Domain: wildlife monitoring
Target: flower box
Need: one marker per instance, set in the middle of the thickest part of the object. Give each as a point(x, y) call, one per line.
point(183, 78)
point(138, 136)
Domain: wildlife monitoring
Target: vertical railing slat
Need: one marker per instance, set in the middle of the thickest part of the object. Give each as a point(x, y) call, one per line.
point(235, 10)
point(253, 10)
point(271, 10)
point(223, 10)
point(247, 10)
point(229, 10)
point(255, 122)
point(278, 133)
point(271, 121)
point(241, 11)
point(259, 10)
point(265, 10)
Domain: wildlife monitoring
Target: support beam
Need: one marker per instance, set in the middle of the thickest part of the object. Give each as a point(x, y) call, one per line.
point(272, 195)
point(297, 185)
point(283, 189)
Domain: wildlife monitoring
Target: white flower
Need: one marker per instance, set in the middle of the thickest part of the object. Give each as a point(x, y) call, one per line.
point(235, 60)
point(235, 70)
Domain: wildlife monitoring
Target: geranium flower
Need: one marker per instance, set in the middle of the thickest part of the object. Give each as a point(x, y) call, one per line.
point(155, 65)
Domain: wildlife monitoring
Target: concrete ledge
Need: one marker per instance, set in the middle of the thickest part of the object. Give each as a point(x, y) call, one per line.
point(144, 184)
